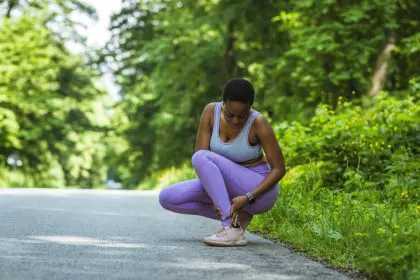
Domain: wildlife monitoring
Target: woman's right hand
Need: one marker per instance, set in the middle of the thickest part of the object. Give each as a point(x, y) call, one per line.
point(218, 211)
point(235, 222)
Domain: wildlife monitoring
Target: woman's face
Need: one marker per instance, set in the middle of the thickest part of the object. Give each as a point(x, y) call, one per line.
point(236, 113)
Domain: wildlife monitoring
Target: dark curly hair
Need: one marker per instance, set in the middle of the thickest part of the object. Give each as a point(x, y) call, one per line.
point(238, 89)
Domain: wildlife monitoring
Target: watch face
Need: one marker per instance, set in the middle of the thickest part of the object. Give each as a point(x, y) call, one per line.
point(249, 196)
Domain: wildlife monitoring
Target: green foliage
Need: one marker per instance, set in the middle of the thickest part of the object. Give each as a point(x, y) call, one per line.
point(368, 146)
point(51, 113)
point(169, 176)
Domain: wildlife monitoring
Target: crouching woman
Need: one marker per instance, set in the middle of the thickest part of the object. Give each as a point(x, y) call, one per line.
point(239, 164)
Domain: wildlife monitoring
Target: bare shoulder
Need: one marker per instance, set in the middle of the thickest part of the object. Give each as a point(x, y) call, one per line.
point(208, 110)
point(208, 113)
point(261, 123)
point(263, 128)
point(210, 107)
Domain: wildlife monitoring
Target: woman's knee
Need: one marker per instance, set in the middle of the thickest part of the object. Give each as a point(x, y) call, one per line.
point(165, 198)
point(200, 157)
point(179, 193)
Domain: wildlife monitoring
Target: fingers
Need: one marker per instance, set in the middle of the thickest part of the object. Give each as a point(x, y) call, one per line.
point(218, 211)
point(231, 212)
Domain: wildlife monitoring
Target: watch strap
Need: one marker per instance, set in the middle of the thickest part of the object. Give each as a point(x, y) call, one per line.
point(250, 197)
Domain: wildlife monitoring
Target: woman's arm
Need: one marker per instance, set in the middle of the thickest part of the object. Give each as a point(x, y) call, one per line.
point(202, 141)
point(273, 154)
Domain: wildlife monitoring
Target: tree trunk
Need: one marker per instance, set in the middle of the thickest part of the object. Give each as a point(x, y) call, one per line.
point(10, 6)
point(230, 61)
point(331, 96)
point(379, 74)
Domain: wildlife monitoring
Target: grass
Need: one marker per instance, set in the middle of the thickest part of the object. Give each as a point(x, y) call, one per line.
point(348, 230)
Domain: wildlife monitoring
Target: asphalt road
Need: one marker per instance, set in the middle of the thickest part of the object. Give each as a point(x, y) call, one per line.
point(82, 234)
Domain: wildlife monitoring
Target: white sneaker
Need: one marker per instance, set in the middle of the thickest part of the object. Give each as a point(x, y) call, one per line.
point(227, 236)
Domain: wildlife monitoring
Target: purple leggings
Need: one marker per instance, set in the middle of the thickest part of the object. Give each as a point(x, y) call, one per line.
point(220, 180)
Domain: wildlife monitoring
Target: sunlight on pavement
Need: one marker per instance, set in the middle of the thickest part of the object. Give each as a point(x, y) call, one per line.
point(77, 240)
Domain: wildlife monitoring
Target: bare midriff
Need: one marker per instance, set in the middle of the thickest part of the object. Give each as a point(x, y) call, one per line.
point(254, 162)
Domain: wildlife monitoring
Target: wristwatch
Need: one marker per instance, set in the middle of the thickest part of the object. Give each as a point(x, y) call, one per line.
point(251, 198)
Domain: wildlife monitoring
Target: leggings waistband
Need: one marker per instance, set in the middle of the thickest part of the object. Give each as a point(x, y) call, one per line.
point(262, 168)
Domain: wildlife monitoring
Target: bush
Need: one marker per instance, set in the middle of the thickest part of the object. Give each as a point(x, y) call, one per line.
point(363, 147)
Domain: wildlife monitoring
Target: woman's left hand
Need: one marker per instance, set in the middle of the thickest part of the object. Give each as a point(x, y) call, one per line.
point(237, 203)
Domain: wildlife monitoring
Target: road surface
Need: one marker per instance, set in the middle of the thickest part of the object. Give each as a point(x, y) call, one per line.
point(116, 234)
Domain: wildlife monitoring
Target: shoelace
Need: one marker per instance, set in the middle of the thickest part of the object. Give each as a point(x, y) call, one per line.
point(234, 223)
point(220, 230)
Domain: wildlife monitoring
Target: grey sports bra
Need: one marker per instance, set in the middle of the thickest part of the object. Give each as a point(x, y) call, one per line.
point(239, 149)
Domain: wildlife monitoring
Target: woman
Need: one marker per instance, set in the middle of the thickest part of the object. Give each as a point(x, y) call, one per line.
point(236, 180)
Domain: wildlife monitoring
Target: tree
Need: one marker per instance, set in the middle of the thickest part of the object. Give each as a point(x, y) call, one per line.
point(51, 111)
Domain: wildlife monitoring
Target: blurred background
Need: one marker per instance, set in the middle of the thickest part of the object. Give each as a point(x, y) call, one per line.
point(112, 91)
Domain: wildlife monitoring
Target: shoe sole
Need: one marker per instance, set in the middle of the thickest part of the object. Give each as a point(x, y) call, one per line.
point(226, 244)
